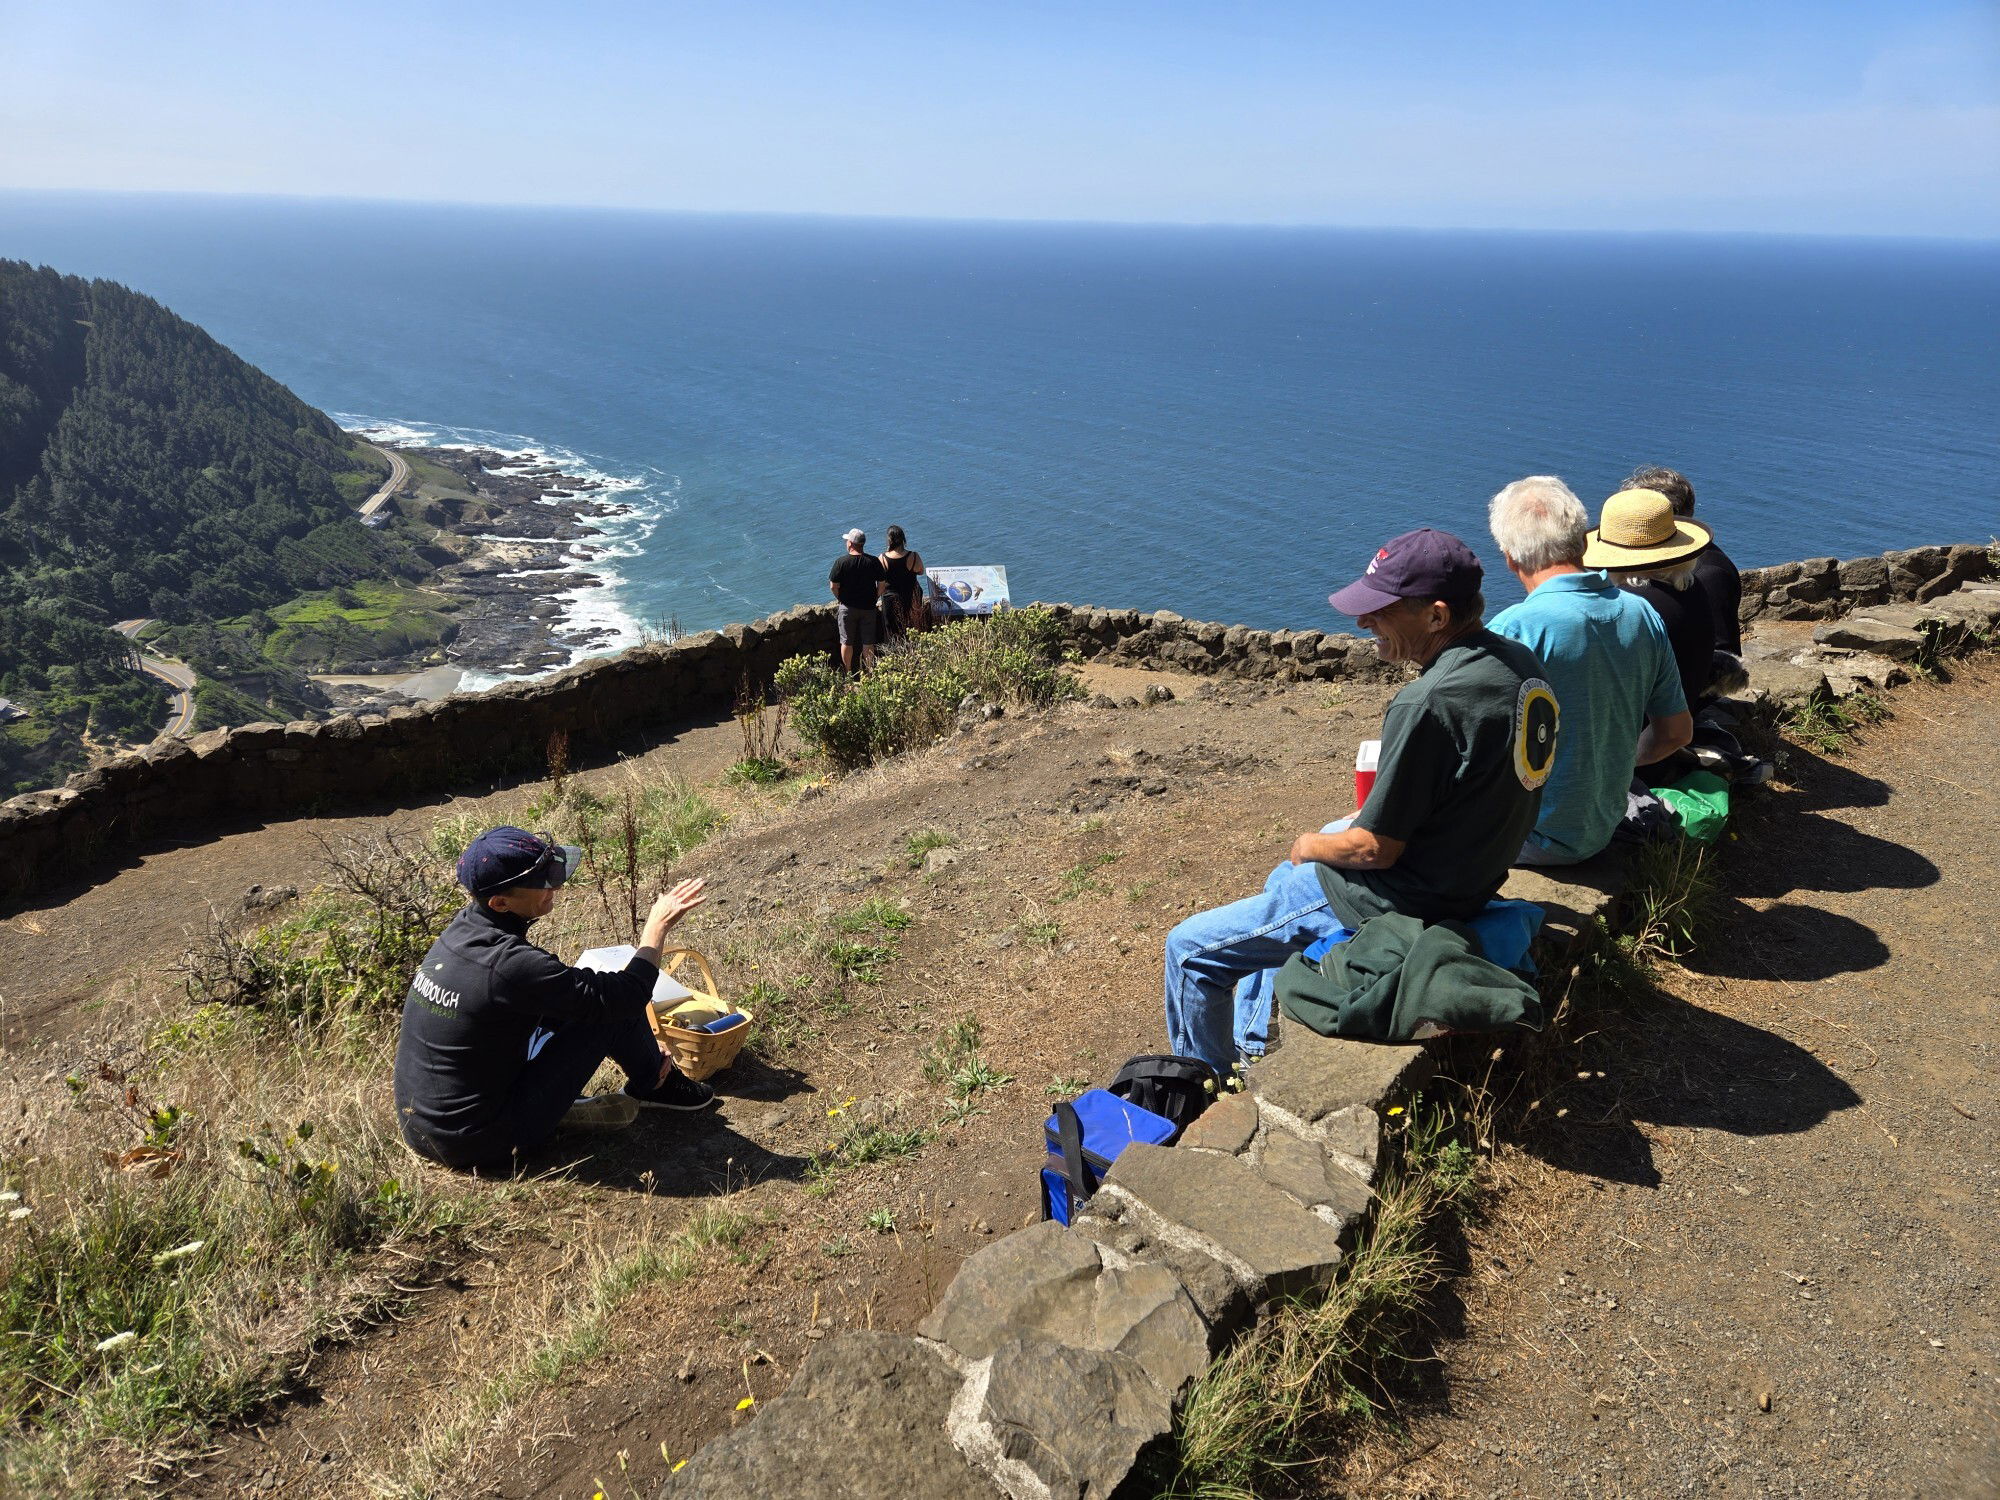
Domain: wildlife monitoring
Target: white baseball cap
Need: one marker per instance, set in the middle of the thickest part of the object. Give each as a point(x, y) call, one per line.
point(856, 535)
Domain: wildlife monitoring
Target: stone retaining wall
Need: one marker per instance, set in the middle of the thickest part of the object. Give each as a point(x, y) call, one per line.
point(274, 770)
point(1057, 1353)
point(1822, 588)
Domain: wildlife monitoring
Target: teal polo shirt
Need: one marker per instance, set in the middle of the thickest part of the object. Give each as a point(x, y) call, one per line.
point(1608, 657)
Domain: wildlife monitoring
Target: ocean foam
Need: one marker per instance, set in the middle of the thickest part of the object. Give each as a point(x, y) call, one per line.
point(622, 533)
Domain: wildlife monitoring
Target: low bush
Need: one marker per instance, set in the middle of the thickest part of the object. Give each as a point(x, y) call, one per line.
point(912, 695)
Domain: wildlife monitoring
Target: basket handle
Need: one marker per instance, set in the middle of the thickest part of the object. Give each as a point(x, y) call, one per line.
point(671, 960)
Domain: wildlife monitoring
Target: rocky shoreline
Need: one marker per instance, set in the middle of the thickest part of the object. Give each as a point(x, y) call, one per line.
point(520, 535)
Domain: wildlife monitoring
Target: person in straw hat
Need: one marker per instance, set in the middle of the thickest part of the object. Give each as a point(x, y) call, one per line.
point(1644, 547)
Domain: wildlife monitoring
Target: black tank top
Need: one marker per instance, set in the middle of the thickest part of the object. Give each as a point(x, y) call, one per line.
point(902, 582)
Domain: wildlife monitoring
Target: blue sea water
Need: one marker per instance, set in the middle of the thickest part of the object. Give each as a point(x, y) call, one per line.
point(1223, 421)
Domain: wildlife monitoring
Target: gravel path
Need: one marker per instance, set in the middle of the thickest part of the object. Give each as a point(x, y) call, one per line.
point(1757, 1255)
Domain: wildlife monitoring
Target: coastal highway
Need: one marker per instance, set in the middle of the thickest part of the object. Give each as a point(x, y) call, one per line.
point(399, 475)
point(172, 673)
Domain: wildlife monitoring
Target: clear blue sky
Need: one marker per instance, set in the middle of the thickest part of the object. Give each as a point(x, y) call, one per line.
point(1790, 115)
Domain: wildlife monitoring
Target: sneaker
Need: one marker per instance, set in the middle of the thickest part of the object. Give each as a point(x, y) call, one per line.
point(600, 1112)
point(678, 1092)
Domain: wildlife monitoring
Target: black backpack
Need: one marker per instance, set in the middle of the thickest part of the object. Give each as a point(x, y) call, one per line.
point(1176, 1088)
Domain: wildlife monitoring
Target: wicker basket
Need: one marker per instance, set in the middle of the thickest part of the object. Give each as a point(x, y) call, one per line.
point(696, 1053)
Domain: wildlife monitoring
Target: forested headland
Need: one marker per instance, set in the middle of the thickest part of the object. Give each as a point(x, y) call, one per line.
point(146, 471)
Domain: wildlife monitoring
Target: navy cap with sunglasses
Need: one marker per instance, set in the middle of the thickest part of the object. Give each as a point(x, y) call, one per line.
point(502, 858)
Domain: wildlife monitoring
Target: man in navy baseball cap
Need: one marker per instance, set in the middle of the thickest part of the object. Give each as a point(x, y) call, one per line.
point(1465, 749)
point(500, 1036)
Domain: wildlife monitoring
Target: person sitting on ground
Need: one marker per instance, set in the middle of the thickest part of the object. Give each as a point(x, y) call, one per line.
point(1714, 574)
point(499, 1037)
point(1465, 750)
point(901, 568)
point(1608, 655)
point(1643, 547)
point(856, 581)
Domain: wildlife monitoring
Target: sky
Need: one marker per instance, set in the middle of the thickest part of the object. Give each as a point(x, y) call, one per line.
point(1813, 116)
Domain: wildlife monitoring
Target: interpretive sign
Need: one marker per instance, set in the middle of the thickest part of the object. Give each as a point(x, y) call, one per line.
point(967, 591)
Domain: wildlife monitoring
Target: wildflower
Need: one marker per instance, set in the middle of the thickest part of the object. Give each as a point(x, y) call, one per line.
point(179, 1252)
point(116, 1341)
point(1395, 1109)
point(746, 1403)
point(10, 1196)
point(19, 1213)
point(679, 1466)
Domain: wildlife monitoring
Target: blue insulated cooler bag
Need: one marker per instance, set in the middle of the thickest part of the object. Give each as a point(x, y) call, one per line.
point(1084, 1139)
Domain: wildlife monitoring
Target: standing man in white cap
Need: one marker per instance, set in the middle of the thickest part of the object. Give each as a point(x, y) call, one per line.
point(857, 581)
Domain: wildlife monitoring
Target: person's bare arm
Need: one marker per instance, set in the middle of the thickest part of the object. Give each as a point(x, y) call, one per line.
point(1353, 849)
point(917, 564)
point(1663, 736)
point(667, 910)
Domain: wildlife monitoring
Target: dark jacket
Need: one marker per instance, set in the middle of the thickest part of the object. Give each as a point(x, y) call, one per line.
point(1397, 980)
point(471, 1019)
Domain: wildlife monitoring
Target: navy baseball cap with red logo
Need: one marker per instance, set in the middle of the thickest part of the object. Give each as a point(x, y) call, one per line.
point(502, 858)
point(1420, 564)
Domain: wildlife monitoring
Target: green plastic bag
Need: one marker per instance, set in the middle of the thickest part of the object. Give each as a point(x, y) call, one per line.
point(1700, 800)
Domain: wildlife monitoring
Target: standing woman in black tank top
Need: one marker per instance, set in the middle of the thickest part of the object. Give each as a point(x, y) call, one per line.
point(899, 600)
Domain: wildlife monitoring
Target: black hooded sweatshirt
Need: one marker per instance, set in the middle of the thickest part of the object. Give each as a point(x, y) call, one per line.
point(478, 999)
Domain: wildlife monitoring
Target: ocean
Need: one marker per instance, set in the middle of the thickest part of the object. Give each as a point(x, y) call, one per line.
point(1219, 421)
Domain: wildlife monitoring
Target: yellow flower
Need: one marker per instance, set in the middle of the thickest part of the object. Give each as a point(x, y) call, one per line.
point(1395, 1109)
point(746, 1403)
point(679, 1466)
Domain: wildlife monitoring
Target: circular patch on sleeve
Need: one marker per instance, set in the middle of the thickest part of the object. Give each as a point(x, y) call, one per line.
point(1536, 719)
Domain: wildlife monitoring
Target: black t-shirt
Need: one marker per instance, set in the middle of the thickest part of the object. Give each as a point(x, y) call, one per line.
point(1716, 576)
point(854, 576)
point(1690, 626)
point(1465, 750)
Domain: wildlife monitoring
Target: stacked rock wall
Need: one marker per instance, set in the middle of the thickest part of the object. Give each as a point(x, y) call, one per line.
point(273, 770)
point(1823, 588)
point(1057, 1354)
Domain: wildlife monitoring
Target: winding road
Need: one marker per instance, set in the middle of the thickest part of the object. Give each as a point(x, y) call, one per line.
point(174, 674)
point(399, 475)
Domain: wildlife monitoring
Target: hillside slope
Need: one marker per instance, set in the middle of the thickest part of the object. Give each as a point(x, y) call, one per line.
point(147, 471)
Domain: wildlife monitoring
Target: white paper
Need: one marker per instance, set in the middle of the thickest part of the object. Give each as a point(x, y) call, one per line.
point(667, 990)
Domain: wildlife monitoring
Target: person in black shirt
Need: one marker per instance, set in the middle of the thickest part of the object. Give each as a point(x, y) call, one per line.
point(1714, 574)
point(499, 1036)
point(857, 581)
point(901, 570)
point(1650, 551)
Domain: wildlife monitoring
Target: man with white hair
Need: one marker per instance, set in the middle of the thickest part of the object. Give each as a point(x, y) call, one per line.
point(1607, 656)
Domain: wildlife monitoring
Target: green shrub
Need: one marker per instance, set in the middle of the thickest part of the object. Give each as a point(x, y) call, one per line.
point(912, 696)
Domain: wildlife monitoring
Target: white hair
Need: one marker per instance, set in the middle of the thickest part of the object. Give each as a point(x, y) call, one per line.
point(1538, 522)
point(1675, 575)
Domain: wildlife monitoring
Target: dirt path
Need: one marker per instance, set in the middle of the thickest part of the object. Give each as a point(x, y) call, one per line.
point(1783, 1187)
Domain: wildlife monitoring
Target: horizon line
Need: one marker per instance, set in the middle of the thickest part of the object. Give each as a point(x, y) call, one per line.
point(1050, 221)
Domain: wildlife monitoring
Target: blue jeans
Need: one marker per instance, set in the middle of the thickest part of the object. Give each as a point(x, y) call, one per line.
point(1219, 964)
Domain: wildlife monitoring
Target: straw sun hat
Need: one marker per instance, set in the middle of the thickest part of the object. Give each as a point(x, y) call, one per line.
point(1639, 529)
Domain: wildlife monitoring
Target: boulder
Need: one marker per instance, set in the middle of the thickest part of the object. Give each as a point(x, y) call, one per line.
point(1861, 633)
point(1786, 681)
point(1073, 1419)
point(1121, 1226)
point(1307, 1172)
point(1267, 1240)
point(1313, 1077)
point(865, 1417)
point(1227, 1126)
point(1864, 577)
point(1048, 1283)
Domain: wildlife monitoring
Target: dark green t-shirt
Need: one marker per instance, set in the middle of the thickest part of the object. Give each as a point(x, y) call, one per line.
point(1465, 750)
